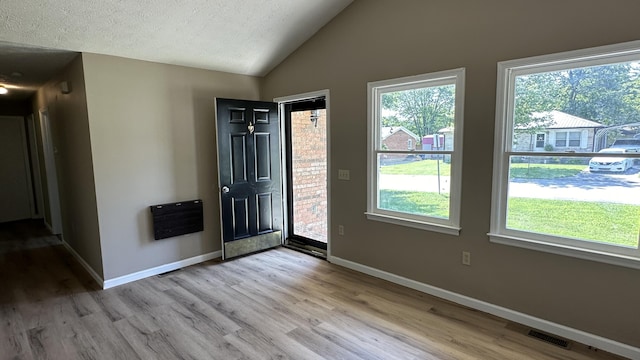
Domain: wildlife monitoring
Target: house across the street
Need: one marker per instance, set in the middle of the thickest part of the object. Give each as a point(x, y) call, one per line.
point(564, 132)
point(399, 138)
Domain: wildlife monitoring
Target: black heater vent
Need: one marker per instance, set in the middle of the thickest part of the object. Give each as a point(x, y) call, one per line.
point(549, 338)
point(178, 218)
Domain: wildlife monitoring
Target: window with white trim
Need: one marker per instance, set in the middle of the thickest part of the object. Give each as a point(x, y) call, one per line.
point(419, 187)
point(582, 198)
point(568, 139)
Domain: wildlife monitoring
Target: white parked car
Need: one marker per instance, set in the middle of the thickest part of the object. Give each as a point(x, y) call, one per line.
point(613, 164)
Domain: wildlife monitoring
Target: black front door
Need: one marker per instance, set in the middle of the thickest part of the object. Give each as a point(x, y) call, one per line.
point(249, 173)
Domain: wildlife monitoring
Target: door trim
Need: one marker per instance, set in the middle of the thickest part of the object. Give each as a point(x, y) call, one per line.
point(281, 102)
point(51, 172)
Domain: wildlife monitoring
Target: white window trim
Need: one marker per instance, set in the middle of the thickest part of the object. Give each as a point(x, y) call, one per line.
point(451, 225)
point(498, 233)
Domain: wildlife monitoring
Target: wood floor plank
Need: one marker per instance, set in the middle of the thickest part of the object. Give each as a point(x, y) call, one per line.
point(256, 345)
point(248, 313)
point(202, 311)
point(325, 347)
point(358, 333)
point(469, 339)
point(192, 336)
point(46, 344)
point(148, 344)
point(432, 340)
point(109, 341)
point(295, 283)
point(78, 340)
point(273, 302)
point(13, 338)
point(109, 302)
point(277, 304)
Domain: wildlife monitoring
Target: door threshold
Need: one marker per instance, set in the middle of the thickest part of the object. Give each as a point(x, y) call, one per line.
point(307, 249)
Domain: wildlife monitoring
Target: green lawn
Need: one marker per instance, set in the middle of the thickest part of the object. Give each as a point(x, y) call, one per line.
point(415, 202)
point(519, 170)
point(544, 171)
point(555, 217)
point(618, 224)
point(421, 167)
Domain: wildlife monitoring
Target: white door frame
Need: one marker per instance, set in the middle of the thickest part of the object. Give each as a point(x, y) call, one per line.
point(48, 150)
point(281, 102)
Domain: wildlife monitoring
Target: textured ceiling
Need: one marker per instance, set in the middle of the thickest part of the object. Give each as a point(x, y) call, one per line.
point(239, 36)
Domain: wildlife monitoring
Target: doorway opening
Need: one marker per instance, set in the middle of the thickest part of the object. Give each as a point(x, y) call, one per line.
point(306, 145)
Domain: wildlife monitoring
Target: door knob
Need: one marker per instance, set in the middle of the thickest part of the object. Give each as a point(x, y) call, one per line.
point(225, 189)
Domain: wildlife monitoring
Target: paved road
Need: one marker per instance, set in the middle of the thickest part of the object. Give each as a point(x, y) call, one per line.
point(616, 188)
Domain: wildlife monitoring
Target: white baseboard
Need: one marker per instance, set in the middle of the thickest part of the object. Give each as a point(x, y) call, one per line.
point(160, 269)
point(515, 316)
point(84, 264)
point(106, 284)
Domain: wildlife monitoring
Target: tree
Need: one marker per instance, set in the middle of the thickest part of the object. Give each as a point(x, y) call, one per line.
point(423, 111)
point(392, 120)
point(607, 94)
point(534, 95)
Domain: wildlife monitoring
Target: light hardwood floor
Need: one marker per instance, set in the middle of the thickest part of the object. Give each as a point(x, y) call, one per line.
point(278, 304)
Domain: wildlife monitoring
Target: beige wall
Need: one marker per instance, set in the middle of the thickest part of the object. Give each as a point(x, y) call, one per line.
point(153, 141)
point(70, 132)
point(380, 39)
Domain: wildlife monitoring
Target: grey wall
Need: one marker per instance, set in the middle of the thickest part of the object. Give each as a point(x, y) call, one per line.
point(377, 39)
point(153, 141)
point(70, 131)
point(15, 192)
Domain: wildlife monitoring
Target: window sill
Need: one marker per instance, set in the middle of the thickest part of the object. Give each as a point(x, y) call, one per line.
point(558, 249)
point(445, 229)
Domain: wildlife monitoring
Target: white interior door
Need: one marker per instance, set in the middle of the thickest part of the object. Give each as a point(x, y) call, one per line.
point(15, 178)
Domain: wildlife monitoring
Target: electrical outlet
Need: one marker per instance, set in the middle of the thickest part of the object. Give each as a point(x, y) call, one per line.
point(343, 174)
point(340, 229)
point(466, 258)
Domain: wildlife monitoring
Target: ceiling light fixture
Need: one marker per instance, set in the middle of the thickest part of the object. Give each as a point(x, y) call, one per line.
point(3, 90)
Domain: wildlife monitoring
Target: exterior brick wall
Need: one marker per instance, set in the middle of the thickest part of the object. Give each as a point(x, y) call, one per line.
point(399, 141)
point(309, 175)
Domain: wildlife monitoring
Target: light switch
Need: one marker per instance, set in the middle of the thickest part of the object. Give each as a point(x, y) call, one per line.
point(343, 174)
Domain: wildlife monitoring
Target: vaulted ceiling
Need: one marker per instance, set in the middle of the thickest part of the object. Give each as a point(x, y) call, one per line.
point(240, 36)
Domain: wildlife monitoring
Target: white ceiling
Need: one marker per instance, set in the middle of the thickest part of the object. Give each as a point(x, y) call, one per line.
point(240, 36)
